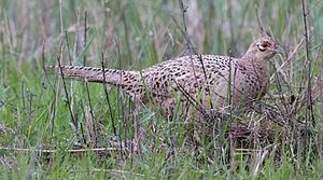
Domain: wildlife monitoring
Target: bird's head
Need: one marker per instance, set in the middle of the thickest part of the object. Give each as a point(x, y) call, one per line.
point(264, 48)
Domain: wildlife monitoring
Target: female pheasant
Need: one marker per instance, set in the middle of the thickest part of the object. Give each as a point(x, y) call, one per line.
point(212, 80)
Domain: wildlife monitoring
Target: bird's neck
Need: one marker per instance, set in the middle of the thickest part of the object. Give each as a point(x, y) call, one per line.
point(249, 59)
point(260, 66)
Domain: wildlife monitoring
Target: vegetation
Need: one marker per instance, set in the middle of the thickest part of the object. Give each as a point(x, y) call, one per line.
point(50, 128)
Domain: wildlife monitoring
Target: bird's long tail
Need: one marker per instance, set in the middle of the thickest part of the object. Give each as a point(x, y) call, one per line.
point(91, 74)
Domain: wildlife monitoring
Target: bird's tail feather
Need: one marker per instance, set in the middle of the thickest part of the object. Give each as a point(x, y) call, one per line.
point(90, 74)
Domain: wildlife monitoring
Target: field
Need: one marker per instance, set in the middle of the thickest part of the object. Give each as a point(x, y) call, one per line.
point(55, 128)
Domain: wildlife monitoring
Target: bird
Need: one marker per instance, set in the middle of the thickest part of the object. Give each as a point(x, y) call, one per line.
point(211, 80)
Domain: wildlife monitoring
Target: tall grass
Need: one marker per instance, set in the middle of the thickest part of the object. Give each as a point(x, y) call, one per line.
point(39, 111)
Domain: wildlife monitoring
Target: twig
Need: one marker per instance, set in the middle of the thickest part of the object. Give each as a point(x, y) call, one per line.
point(211, 114)
point(127, 39)
point(85, 32)
point(280, 91)
point(43, 59)
point(82, 129)
point(61, 15)
point(260, 161)
point(259, 22)
point(191, 99)
point(318, 87)
point(52, 105)
point(54, 150)
point(309, 68)
point(230, 17)
point(68, 49)
point(289, 58)
point(107, 95)
point(121, 172)
point(91, 111)
point(189, 44)
point(65, 90)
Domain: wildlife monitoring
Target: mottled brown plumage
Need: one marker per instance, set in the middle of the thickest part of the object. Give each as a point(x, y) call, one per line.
point(243, 79)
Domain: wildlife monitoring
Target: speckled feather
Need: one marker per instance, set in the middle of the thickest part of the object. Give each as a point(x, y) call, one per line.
point(246, 78)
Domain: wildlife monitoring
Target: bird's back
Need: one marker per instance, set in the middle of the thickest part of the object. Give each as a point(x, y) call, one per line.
point(189, 74)
point(207, 77)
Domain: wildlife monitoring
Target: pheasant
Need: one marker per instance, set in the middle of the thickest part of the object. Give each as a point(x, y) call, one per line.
point(212, 80)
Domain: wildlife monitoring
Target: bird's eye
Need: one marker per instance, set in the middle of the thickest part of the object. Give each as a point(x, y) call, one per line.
point(262, 46)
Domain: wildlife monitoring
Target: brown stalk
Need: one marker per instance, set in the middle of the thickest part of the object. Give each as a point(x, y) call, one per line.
point(107, 95)
point(309, 115)
point(65, 90)
point(90, 121)
point(85, 36)
point(54, 150)
point(52, 105)
point(68, 49)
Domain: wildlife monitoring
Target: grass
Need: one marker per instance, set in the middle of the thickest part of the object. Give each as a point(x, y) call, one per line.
point(34, 113)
